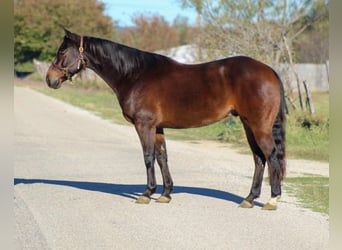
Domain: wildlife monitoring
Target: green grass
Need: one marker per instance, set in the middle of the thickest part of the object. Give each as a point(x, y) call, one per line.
point(312, 192)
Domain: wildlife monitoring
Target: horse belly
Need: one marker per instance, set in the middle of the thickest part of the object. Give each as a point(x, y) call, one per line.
point(194, 113)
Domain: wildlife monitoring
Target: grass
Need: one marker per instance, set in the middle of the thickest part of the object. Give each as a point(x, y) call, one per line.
point(312, 192)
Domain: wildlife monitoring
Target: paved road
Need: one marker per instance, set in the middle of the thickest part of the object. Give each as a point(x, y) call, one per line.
point(77, 177)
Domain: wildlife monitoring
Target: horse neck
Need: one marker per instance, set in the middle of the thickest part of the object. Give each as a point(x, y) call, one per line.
point(98, 60)
point(116, 64)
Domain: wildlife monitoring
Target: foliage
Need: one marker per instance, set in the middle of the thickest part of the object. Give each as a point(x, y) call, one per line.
point(152, 33)
point(312, 46)
point(36, 25)
point(224, 27)
point(262, 29)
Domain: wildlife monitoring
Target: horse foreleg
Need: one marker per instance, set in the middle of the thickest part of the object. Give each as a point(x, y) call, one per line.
point(147, 138)
point(161, 155)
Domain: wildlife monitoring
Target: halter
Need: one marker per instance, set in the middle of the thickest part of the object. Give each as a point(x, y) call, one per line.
point(79, 60)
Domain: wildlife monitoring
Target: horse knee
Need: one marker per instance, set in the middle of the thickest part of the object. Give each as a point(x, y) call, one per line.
point(149, 160)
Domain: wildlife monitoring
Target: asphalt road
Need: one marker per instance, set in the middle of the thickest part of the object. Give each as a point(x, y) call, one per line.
point(77, 176)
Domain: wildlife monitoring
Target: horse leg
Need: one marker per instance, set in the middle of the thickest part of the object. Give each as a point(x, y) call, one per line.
point(267, 145)
point(275, 181)
point(259, 160)
point(147, 136)
point(161, 155)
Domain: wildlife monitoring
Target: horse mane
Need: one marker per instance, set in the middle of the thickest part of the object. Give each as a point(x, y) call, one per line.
point(127, 61)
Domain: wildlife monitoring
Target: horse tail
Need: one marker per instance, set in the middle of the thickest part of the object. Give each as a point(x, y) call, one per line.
point(279, 131)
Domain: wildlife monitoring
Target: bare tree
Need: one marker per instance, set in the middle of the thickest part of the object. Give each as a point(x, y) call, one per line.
point(256, 27)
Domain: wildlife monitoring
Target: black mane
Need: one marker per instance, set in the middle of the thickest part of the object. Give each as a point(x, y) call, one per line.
point(128, 62)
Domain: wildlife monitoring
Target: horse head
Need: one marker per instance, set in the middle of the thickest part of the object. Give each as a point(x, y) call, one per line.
point(68, 61)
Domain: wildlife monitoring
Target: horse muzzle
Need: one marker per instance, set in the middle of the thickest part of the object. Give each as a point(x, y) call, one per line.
point(54, 78)
point(53, 82)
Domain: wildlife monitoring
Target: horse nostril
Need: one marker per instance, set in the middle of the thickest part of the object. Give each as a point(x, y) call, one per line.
point(47, 79)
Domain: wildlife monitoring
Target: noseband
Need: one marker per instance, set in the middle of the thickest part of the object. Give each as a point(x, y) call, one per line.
point(79, 60)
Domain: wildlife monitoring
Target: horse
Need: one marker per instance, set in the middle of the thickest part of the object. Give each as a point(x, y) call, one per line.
point(157, 92)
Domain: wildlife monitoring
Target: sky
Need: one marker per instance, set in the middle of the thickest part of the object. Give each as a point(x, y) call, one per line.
point(123, 10)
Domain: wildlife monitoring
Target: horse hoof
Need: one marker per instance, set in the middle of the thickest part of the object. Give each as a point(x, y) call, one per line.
point(246, 204)
point(143, 200)
point(272, 203)
point(269, 206)
point(163, 199)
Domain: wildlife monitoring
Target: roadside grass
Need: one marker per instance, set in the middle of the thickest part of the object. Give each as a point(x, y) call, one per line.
point(312, 192)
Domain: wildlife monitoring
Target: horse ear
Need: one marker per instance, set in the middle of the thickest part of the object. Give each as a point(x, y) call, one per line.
point(70, 35)
point(67, 33)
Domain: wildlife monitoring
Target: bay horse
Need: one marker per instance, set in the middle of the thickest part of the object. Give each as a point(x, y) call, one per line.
point(156, 92)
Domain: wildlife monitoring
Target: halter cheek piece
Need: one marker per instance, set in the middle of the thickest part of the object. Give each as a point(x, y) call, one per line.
point(80, 62)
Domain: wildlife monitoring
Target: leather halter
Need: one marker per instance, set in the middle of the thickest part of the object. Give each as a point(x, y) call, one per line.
point(79, 60)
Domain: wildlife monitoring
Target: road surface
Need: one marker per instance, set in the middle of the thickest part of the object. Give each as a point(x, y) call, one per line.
point(77, 176)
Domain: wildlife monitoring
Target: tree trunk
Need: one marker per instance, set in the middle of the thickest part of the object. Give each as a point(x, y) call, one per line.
point(294, 71)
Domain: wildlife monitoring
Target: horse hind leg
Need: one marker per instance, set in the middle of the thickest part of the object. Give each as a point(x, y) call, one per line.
point(267, 145)
point(276, 162)
point(161, 156)
point(275, 180)
point(259, 160)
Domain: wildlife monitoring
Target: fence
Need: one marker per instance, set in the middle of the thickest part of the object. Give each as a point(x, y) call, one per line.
point(316, 76)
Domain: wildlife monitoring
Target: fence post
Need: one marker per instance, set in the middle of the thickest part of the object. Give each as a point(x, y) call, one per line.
point(308, 98)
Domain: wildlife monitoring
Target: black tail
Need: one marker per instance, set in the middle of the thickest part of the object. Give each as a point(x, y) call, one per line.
point(279, 131)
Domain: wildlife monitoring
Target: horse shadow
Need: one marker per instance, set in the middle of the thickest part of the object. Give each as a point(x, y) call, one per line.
point(130, 190)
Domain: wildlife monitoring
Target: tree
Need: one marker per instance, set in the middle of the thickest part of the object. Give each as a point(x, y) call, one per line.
point(150, 33)
point(37, 32)
point(185, 32)
point(254, 27)
point(312, 46)
point(198, 5)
